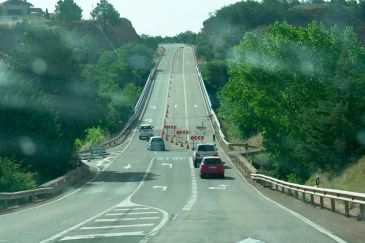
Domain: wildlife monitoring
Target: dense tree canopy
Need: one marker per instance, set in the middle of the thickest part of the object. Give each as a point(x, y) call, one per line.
point(67, 11)
point(105, 13)
point(303, 88)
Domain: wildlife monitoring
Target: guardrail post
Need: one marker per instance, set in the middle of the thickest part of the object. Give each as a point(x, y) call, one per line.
point(362, 212)
point(333, 205)
point(312, 199)
point(277, 187)
point(321, 202)
point(296, 193)
point(347, 209)
point(303, 197)
point(282, 189)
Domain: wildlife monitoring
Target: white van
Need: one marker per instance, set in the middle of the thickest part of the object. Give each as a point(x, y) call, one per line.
point(145, 131)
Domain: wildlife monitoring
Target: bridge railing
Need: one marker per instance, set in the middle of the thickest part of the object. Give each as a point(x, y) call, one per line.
point(335, 196)
point(46, 190)
point(346, 198)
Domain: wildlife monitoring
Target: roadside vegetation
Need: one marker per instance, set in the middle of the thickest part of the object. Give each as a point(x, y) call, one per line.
point(293, 73)
point(64, 86)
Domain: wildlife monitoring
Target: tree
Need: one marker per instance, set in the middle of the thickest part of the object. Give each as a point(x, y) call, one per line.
point(68, 11)
point(46, 15)
point(106, 13)
point(303, 89)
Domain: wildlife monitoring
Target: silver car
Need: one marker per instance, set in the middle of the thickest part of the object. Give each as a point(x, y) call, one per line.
point(156, 143)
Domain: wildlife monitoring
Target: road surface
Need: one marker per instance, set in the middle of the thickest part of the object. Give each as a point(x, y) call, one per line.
point(147, 196)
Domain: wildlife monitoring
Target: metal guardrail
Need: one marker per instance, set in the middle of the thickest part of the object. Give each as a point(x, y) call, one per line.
point(344, 197)
point(138, 108)
point(46, 190)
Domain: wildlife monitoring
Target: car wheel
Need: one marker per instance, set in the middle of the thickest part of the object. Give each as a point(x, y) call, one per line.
point(222, 175)
point(202, 176)
point(195, 165)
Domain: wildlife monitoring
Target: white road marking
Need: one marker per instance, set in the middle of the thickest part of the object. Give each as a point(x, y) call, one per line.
point(125, 219)
point(116, 226)
point(165, 164)
point(220, 187)
point(148, 120)
point(84, 237)
point(176, 106)
point(194, 188)
point(185, 98)
point(119, 214)
point(299, 216)
point(164, 188)
point(128, 166)
point(132, 209)
point(196, 106)
point(153, 107)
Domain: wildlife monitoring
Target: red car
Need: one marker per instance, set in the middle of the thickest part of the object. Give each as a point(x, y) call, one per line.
point(211, 165)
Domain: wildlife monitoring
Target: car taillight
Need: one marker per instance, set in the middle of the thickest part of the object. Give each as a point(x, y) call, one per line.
point(215, 154)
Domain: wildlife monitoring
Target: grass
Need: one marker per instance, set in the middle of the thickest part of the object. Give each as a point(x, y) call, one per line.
point(351, 179)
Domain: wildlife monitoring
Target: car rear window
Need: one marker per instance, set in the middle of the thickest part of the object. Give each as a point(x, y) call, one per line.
point(213, 161)
point(157, 140)
point(146, 127)
point(206, 148)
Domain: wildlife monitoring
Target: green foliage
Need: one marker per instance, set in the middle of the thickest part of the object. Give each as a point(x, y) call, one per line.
point(105, 13)
point(303, 88)
point(13, 179)
point(67, 11)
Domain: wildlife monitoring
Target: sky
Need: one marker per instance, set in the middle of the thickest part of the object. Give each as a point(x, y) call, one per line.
point(154, 17)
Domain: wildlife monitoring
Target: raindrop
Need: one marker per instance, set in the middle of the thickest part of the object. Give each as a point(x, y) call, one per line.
point(361, 137)
point(39, 66)
point(27, 145)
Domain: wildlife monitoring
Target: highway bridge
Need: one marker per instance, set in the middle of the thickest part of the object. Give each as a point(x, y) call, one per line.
point(158, 196)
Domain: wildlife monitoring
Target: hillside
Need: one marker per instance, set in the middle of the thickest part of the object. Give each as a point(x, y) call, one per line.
point(85, 36)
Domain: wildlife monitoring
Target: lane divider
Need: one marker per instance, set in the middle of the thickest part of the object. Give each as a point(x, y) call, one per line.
point(194, 188)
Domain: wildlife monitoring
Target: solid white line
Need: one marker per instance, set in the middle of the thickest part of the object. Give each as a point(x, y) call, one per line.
point(299, 216)
point(125, 219)
point(194, 188)
point(119, 214)
point(131, 209)
point(185, 97)
point(117, 226)
point(84, 237)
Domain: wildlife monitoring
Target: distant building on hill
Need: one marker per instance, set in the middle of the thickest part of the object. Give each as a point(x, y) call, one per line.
point(18, 9)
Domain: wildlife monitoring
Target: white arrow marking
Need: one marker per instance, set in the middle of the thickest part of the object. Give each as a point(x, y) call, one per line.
point(164, 164)
point(220, 187)
point(128, 166)
point(164, 188)
point(153, 107)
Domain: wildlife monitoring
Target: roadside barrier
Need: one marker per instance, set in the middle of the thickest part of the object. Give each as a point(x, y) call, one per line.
point(48, 189)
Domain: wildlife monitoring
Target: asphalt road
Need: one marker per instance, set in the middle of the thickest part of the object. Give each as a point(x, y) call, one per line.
point(147, 196)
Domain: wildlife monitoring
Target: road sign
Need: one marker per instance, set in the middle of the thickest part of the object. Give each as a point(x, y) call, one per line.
point(179, 132)
point(170, 126)
point(197, 137)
